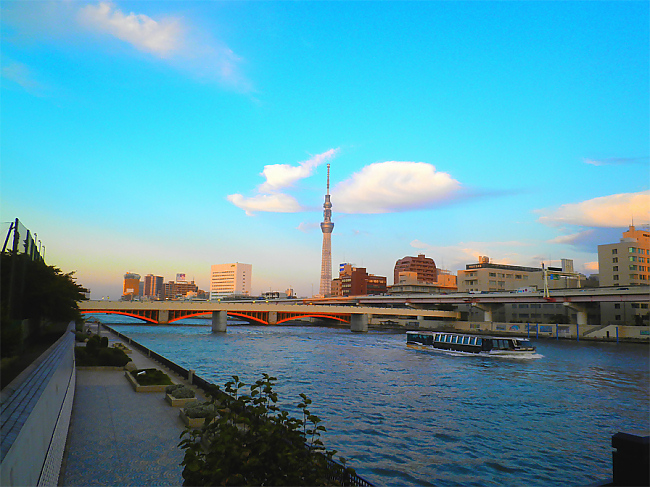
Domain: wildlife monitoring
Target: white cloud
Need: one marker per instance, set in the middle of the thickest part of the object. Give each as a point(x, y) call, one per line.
point(612, 211)
point(280, 176)
point(616, 161)
point(393, 186)
point(21, 74)
point(277, 203)
point(146, 34)
point(307, 227)
point(172, 38)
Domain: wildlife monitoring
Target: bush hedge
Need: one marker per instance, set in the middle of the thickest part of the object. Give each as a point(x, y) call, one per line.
point(250, 441)
point(151, 377)
point(98, 357)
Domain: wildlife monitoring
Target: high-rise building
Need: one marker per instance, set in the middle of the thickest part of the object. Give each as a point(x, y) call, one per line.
point(154, 287)
point(131, 287)
point(626, 263)
point(424, 267)
point(326, 226)
point(230, 280)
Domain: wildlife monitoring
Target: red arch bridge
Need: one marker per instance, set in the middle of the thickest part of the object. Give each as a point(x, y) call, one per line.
point(163, 312)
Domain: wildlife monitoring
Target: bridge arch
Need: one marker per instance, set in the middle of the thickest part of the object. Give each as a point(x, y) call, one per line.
point(123, 313)
point(333, 317)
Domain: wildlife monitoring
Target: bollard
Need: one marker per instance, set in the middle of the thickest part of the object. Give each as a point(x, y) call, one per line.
point(537, 331)
point(557, 336)
point(577, 332)
point(528, 327)
point(190, 376)
point(617, 334)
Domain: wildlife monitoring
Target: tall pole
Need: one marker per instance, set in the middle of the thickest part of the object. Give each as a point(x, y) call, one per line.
point(326, 226)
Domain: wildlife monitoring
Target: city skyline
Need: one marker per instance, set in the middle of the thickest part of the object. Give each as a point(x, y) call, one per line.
point(164, 137)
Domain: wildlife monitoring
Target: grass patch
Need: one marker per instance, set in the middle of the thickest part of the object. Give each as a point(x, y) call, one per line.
point(151, 377)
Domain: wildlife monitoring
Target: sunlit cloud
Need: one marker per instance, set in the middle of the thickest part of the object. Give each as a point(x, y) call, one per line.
point(144, 33)
point(614, 211)
point(277, 203)
point(590, 267)
point(280, 176)
point(394, 186)
point(616, 161)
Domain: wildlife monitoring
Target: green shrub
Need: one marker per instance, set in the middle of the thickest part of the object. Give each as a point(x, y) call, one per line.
point(250, 441)
point(93, 343)
point(198, 409)
point(80, 336)
point(103, 342)
point(151, 377)
point(180, 391)
point(93, 357)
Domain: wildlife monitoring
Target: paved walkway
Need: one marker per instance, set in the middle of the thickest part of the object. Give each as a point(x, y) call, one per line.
point(119, 437)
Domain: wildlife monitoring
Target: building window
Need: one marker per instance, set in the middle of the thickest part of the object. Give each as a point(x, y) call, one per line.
point(614, 251)
point(617, 317)
point(615, 268)
point(632, 267)
point(634, 276)
point(632, 258)
point(642, 268)
point(615, 260)
point(617, 306)
point(631, 250)
point(615, 277)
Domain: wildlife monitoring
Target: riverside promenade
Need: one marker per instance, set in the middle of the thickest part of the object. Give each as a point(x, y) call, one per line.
point(119, 437)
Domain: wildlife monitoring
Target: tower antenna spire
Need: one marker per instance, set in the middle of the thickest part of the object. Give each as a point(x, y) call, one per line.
point(328, 179)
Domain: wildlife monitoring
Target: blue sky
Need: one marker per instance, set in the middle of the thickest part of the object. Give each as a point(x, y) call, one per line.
point(164, 137)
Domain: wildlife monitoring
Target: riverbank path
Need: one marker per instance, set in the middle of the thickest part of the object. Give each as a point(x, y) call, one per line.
point(119, 437)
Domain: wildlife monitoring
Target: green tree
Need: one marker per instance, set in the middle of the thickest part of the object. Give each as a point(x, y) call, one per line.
point(31, 290)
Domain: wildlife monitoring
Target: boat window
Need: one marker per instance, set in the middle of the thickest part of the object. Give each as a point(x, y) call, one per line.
point(479, 341)
point(455, 339)
point(465, 340)
point(472, 341)
point(447, 338)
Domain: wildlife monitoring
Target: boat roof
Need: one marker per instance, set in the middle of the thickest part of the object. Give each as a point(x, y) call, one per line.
point(430, 332)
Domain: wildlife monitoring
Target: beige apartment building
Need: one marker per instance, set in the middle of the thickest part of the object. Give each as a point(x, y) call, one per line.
point(230, 280)
point(626, 263)
point(487, 276)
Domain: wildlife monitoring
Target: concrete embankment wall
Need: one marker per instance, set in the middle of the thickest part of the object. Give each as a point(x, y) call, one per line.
point(543, 330)
point(36, 409)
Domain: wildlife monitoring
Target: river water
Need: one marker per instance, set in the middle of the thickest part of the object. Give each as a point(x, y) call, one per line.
point(407, 417)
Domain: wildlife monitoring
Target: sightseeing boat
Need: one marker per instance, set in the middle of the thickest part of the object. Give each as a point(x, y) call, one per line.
point(470, 344)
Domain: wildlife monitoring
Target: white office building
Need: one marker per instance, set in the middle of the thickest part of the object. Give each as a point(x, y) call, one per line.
point(229, 280)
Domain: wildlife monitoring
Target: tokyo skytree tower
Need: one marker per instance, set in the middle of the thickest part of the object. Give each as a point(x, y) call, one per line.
point(327, 226)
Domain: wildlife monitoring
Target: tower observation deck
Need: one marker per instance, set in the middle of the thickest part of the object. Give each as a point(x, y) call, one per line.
point(326, 226)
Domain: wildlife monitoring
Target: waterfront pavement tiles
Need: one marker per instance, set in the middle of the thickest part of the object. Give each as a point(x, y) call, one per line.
point(119, 437)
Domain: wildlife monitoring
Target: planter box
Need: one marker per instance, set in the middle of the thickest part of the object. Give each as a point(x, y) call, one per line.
point(178, 402)
point(138, 388)
point(191, 422)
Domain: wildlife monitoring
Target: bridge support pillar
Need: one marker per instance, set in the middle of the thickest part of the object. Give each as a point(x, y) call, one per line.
point(487, 310)
point(359, 323)
point(581, 310)
point(273, 317)
point(219, 321)
point(163, 316)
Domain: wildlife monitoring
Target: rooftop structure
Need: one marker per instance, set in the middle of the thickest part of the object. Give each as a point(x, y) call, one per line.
point(230, 280)
point(424, 267)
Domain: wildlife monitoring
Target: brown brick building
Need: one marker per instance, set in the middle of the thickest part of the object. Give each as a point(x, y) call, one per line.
point(425, 268)
point(355, 281)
